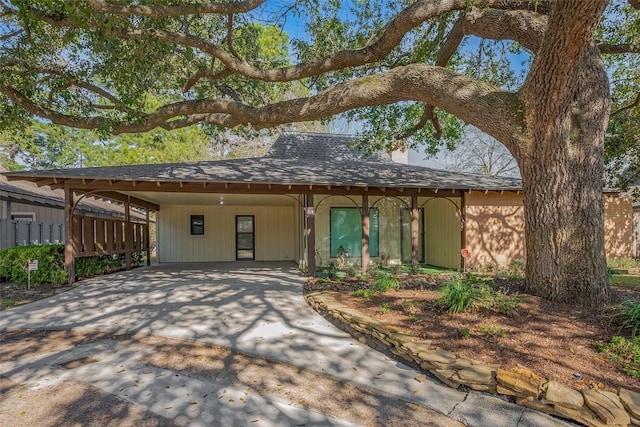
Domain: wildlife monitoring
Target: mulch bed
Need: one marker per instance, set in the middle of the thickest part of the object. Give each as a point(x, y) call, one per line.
point(557, 341)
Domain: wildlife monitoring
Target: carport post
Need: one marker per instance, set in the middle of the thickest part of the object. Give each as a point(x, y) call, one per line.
point(311, 236)
point(69, 262)
point(147, 238)
point(415, 241)
point(6, 241)
point(365, 234)
point(128, 235)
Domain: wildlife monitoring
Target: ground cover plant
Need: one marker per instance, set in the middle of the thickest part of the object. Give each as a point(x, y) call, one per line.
point(491, 319)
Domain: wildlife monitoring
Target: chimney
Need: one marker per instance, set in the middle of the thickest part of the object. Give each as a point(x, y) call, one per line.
point(400, 154)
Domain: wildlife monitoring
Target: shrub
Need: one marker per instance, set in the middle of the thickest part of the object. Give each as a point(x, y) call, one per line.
point(14, 263)
point(384, 308)
point(97, 265)
point(627, 313)
point(458, 295)
point(470, 292)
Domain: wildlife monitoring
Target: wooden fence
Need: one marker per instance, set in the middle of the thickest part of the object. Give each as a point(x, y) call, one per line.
point(100, 236)
point(23, 233)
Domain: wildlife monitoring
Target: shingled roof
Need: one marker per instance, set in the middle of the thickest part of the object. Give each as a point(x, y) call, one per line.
point(294, 159)
point(30, 193)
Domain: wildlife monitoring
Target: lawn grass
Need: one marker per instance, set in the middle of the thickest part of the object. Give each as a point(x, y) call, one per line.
point(629, 280)
point(321, 271)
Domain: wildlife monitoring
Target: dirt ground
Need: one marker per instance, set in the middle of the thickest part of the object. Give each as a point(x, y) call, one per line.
point(73, 403)
point(12, 295)
point(557, 341)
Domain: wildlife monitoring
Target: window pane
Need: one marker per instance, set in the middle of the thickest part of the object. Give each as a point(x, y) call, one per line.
point(244, 224)
point(197, 224)
point(245, 241)
point(346, 231)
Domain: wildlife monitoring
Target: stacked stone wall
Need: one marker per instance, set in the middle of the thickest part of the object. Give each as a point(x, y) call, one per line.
point(593, 408)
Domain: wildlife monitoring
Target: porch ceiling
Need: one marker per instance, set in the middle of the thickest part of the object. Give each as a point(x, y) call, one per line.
point(163, 198)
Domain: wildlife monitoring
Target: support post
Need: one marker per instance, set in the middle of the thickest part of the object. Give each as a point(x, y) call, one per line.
point(311, 237)
point(69, 255)
point(415, 240)
point(463, 233)
point(365, 234)
point(147, 238)
point(128, 234)
point(6, 233)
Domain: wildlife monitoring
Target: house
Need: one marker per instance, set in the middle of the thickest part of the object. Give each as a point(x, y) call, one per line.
point(636, 231)
point(310, 199)
point(30, 214)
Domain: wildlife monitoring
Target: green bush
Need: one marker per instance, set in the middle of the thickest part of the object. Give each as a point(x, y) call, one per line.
point(14, 262)
point(627, 314)
point(458, 295)
point(470, 292)
point(97, 265)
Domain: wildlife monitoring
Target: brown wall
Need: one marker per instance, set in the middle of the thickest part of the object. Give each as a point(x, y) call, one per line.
point(636, 233)
point(618, 227)
point(494, 228)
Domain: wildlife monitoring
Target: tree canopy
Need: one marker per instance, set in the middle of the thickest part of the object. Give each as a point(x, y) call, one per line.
point(542, 77)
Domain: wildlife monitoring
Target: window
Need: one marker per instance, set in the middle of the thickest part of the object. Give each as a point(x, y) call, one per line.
point(24, 216)
point(197, 225)
point(346, 231)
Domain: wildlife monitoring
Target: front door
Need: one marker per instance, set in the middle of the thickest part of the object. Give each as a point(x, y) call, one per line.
point(245, 238)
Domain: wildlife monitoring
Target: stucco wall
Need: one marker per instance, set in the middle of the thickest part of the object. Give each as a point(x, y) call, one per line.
point(274, 233)
point(618, 227)
point(494, 228)
point(636, 233)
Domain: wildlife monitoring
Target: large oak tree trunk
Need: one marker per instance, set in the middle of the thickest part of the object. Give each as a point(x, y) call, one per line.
point(562, 173)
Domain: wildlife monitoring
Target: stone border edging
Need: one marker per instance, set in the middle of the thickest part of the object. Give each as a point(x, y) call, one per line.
point(593, 408)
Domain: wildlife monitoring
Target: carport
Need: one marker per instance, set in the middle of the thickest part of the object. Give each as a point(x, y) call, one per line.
point(308, 170)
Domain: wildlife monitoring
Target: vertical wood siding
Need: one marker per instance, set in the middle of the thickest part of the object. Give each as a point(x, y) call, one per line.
point(43, 214)
point(275, 228)
point(442, 232)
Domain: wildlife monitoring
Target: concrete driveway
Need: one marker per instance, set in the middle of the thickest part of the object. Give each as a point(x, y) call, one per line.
point(257, 309)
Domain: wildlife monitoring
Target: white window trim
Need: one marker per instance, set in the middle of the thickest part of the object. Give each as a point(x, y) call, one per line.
point(23, 214)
